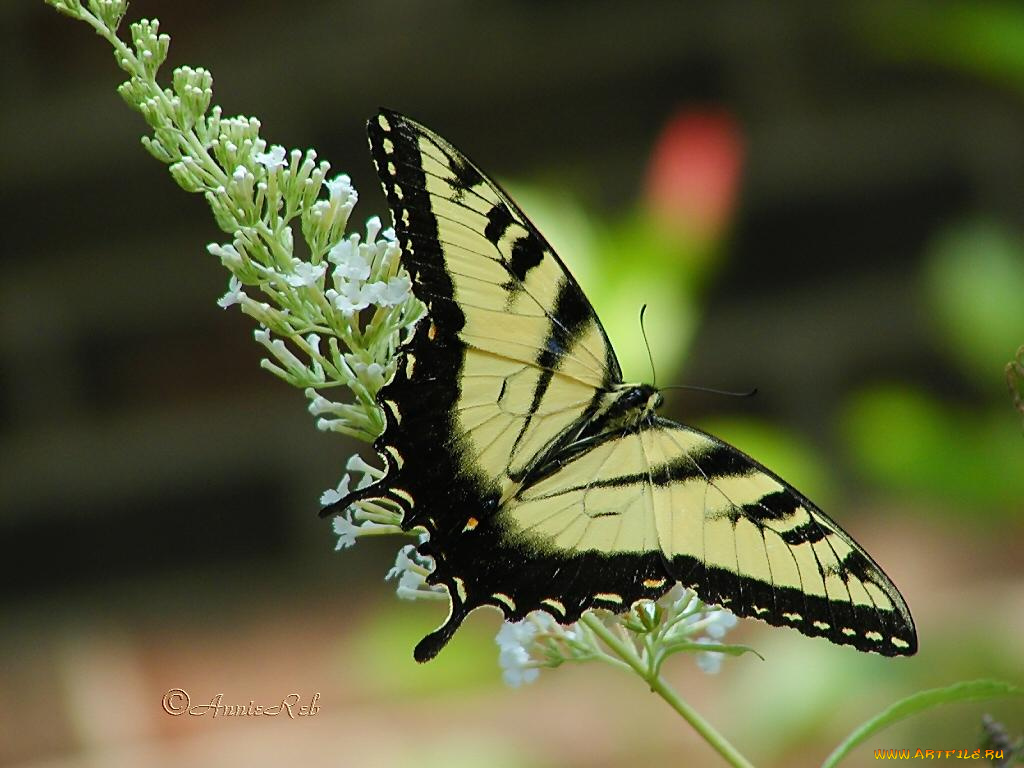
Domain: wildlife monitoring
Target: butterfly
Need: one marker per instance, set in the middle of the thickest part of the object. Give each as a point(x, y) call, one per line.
point(546, 482)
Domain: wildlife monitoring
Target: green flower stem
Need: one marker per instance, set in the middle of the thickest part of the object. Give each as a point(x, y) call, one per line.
point(658, 685)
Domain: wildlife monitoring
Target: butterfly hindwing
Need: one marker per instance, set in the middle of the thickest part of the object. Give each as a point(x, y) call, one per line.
point(735, 532)
point(546, 483)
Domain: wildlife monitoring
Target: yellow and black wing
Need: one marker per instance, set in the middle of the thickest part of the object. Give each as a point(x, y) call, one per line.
point(720, 523)
point(510, 341)
point(543, 480)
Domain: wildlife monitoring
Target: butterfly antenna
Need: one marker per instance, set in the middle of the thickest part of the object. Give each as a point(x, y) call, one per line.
point(751, 393)
point(643, 332)
point(654, 372)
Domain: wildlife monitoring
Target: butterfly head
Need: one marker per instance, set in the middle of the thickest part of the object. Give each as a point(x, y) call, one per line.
point(652, 402)
point(637, 403)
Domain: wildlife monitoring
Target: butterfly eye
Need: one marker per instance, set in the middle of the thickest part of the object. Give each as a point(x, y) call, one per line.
point(633, 398)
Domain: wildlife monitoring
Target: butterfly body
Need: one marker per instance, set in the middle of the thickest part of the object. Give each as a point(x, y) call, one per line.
point(543, 480)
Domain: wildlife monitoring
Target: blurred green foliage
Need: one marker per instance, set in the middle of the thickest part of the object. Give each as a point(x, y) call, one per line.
point(637, 260)
point(905, 440)
point(974, 280)
point(910, 443)
point(974, 690)
point(974, 36)
point(385, 643)
point(1015, 380)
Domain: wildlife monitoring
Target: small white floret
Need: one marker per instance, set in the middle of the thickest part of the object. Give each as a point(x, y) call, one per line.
point(346, 530)
point(373, 227)
point(710, 662)
point(396, 291)
point(403, 562)
point(273, 159)
point(516, 667)
point(719, 622)
point(350, 264)
point(334, 495)
point(234, 295)
point(339, 188)
point(369, 472)
point(348, 299)
point(305, 274)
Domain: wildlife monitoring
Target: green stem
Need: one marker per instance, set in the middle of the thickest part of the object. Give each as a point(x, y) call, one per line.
point(625, 652)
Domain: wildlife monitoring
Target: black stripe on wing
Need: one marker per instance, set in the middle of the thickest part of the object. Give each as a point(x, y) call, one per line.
point(395, 145)
point(845, 596)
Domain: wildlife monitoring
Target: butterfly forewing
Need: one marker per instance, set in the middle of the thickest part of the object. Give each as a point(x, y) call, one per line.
point(533, 356)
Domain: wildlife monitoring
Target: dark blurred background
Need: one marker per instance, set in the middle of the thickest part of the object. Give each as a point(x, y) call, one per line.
point(822, 200)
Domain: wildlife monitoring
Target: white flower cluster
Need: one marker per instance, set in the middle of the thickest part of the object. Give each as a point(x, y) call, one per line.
point(536, 641)
point(312, 299)
point(678, 621)
point(364, 273)
point(330, 307)
point(411, 569)
point(513, 639)
point(366, 518)
point(344, 275)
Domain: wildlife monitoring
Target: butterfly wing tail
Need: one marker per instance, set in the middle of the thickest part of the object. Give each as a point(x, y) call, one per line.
point(431, 645)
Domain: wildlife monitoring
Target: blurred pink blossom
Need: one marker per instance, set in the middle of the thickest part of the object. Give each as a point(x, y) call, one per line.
point(693, 176)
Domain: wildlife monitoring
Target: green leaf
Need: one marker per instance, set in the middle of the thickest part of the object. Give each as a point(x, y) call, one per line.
point(728, 650)
point(919, 702)
point(686, 646)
